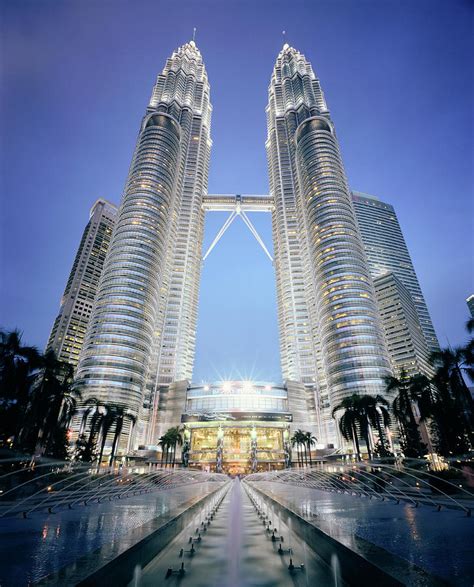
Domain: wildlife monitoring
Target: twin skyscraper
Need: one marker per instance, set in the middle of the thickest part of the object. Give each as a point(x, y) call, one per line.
point(141, 332)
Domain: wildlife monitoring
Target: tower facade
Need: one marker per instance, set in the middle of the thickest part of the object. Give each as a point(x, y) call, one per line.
point(144, 320)
point(69, 328)
point(387, 252)
point(470, 304)
point(330, 329)
point(406, 344)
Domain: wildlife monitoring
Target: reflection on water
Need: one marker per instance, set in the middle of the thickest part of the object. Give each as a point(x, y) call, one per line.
point(440, 542)
point(44, 543)
point(336, 572)
point(411, 518)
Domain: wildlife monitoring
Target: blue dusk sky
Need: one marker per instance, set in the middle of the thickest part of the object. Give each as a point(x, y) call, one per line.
point(76, 78)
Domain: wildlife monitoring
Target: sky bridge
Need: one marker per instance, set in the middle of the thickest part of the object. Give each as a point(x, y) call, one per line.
point(238, 205)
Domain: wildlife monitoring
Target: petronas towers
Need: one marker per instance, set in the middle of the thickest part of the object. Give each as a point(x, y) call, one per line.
point(330, 331)
point(142, 331)
point(143, 327)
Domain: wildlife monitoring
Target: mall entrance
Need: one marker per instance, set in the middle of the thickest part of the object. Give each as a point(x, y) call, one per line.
point(239, 457)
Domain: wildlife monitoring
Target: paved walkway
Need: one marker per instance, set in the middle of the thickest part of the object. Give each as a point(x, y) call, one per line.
point(236, 551)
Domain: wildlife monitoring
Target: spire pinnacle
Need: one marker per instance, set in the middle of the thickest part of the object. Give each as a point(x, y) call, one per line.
point(194, 34)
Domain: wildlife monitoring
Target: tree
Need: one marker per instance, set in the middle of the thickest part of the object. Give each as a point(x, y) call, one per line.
point(86, 443)
point(52, 403)
point(310, 440)
point(452, 409)
point(174, 438)
point(348, 422)
point(121, 415)
point(104, 419)
point(450, 365)
point(17, 365)
point(359, 411)
point(299, 439)
point(411, 442)
point(376, 411)
point(84, 449)
point(164, 444)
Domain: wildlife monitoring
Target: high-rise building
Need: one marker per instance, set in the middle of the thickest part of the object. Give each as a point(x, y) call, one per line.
point(330, 330)
point(144, 320)
point(69, 328)
point(406, 344)
point(387, 252)
point(470, 304)
point(139, 348)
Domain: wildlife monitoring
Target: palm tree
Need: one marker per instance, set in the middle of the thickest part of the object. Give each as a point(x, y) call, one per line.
point(121, 415)
point(52, 403)
point(89, 408)
point(310, 440)
point(452, 408)
point(358, 409)
point(298, 439)
point(376, 410)
point(164, 444)
point(108, 418)
point(17, 364)
point(88, 446)
point(348, 422)
point(174, 438)
point(450, 365)
point(454, 398)
point(402, 406)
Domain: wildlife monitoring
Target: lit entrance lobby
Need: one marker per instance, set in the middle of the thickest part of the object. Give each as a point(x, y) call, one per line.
point(238, 427)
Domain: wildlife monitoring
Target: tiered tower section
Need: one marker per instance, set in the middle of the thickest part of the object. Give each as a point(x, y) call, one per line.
point(329, 322)
point(294, 95)
point(183, 91)
point(145, 311)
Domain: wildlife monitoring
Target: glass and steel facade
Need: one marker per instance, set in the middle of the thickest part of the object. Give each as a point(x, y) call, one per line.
point(330, 329)
point(470, 304)
point(140, 343)
point(69, 328)
point(142, 328)
point(406, 344)
point(387, 252)
point(238, 426)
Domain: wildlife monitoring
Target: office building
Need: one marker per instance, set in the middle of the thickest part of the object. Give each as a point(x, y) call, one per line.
point(69, 328)
point(387, 252)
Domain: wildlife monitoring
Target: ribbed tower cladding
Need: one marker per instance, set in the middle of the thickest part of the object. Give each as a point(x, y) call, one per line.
point(151, 275)
point(183, 91)
point(325, 293)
